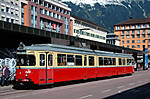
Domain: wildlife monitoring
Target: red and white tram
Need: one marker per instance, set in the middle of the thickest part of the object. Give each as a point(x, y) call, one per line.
point(43, 64)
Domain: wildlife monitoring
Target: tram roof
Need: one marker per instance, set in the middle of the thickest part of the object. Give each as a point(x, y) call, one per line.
point(70, 49)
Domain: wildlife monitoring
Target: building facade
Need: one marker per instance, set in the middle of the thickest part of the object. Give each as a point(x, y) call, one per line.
point(49, 15)
point(134, 33)
point(10, 10)
point(112, 39)
point(87, 30)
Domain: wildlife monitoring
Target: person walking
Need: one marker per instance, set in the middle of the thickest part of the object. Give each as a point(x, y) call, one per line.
point(5, 75)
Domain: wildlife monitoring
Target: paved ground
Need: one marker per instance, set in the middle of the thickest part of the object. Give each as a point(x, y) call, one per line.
point(136, 86)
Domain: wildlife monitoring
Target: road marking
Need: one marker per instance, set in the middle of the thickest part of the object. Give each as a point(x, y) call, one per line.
point(83, 97)
point(106, 90)
point(120, 87)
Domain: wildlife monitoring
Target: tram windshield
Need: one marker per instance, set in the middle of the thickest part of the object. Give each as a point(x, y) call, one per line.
point(26, 60)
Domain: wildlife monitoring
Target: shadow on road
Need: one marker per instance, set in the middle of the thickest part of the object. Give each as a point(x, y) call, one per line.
point(141, 92)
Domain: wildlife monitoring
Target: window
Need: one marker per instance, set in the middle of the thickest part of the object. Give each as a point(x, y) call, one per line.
point(133, 41)
point(122, 32)
point(133, 31)
point(50, 60)
point(7, 9)
point(122, 42)
point(78, 60)
point(138, 36)
point(120, 61)
point(61, 59)
point(138, 41)
point(101, 61)
point(85, 60)
point(70, 60)
point(109, 61)
point(138, 32)
point(143, 41)
point(42, 59)
point(148, 31)
point(7, 19)
point(143, 31)
point(143, 35)
point(127, 32)
point(128, 41)
point(26, 60)
point(113, 61)
point(124, 62)
point(45, 12)
point(138, 46)
point(41, 11)
point(133, 46)
point(133, 36)
point(91, 60)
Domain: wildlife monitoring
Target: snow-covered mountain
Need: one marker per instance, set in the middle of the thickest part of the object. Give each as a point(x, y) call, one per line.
point(106, 13)
point(102, 2)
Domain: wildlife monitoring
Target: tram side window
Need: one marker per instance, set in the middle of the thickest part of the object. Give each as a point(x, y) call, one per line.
point(42, 60)
point(50, 60)
point(91, 60)
point(120, 61)
point(108, 61)
point(78, 60)
point(114, 61)
point(124, 62)
point(26, 60)
point(101, 61)
point(85, 60)
point(70, 60)
point(61, 59)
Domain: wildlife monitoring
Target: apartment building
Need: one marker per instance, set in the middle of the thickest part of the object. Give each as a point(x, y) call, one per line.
point(87, 30)
point(134, 33)
point(10, 10)
point(49, 15)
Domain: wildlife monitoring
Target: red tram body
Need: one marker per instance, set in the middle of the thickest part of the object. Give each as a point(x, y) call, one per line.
point(47, 63)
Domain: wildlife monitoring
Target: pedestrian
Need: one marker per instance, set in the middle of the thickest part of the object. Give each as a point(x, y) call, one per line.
point(5, 75)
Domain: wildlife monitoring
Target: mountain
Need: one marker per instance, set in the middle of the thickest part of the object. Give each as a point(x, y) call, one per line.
point(106, 13)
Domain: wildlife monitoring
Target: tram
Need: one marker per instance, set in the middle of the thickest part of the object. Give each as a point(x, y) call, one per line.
point(43, 64)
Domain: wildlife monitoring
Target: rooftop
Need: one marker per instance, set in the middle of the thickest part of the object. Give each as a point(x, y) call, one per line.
point(90, 23)
point(135, 21)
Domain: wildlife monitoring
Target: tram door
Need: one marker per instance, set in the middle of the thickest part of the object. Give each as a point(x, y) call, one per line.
point(46, 71)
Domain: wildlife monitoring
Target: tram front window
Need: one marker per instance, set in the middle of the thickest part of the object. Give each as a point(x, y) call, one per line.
point(25, 60)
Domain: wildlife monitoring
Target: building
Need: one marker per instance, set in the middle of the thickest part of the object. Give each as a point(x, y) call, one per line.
point(87, 30)
point(10, 10)
point(134, 33)
point(49, 15)
point(113, 39)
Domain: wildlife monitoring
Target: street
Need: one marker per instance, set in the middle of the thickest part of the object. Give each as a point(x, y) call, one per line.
point(135, 86)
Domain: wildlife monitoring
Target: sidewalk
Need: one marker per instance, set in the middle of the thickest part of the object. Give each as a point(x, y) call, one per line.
point(5, 87)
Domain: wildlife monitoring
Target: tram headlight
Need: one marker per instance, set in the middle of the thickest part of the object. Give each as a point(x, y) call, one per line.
point(26, 75)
